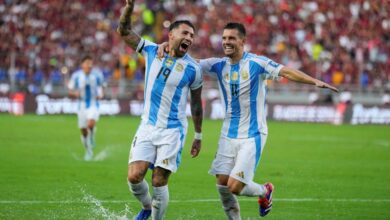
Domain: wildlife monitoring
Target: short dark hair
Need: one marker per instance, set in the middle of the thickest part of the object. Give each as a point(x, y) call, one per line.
point(86, 57)
point(177, 23)
point(238, 26)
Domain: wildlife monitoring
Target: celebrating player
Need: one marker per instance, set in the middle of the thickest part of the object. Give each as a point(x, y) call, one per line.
point(242, 79)
point(160, 136)
point(86, 85)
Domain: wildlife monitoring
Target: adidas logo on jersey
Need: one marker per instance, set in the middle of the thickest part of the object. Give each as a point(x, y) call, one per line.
point(226, 76)
point(240, 174)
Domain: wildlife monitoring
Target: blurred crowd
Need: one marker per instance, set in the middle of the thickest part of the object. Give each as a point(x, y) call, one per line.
point(344, 42)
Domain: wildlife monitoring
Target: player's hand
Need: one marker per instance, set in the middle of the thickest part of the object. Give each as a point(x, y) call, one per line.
point(161, 49)
point(195, 149)
point(321, 84)
point(75, 94)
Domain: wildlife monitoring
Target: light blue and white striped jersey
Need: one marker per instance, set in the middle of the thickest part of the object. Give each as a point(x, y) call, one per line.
point(243, 88)
point(167, 83)
point(88, 85)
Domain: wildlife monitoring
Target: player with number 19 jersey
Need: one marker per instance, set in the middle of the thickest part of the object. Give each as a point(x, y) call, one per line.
point(167, 83)
point(164, 122)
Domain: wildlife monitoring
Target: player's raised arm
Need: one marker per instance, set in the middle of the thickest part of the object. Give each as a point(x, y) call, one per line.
point(197, 117)
point(299, 76)
point(124, 29)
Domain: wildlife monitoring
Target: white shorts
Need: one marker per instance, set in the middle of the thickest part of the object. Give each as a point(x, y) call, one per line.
point(160, 146)
point(84, 115)
point(238, 158)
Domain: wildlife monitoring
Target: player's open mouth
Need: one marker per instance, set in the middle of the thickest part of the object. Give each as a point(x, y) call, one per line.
point(184, 46)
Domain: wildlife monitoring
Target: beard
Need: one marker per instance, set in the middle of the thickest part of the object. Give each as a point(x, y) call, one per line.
point(181, 48)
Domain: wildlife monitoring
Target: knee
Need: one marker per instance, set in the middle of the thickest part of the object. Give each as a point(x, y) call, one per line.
point(222, 180)
point(158, 181)
point(134, 178)
point(84, 132)
point(160, 177)
point(137, 171)
point(91, 124)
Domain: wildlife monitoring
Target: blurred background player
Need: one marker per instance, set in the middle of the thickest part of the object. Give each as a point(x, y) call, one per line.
point(160, 137)
point(86, 85)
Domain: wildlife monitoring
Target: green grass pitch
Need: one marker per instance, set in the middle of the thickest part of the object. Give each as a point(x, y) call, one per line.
point(320, 171)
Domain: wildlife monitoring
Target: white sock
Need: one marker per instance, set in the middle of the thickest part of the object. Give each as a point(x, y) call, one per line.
point(159, 202)
point(89, 142)
point(253, 189)
point(229, 203)
point(84, 140)
point(141, 192)
point(92, 133)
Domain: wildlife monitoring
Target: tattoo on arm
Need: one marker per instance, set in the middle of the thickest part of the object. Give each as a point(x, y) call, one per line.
point(125, 20)
point(197, 109)
point(124, 29)
point(132, 40)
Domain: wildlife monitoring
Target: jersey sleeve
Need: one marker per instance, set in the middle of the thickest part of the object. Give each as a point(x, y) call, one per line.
point(271, 68)
point(147, 48)
point(72, 84)
point(198, 81)
point(100, 78)
point(211, 65)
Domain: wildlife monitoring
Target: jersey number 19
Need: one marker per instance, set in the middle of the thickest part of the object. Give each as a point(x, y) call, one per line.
point(165, 72)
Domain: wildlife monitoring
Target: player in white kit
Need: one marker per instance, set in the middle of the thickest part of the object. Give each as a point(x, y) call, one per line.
point(86, 85)
point(242, 79)
point(160, 137)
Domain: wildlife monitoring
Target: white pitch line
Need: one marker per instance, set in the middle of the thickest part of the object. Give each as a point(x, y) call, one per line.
point(353, 200)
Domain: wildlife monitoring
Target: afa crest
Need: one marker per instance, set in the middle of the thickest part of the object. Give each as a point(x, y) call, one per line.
point(244, 75)
point(179, 67)
point(235, 76)
point(168, 62)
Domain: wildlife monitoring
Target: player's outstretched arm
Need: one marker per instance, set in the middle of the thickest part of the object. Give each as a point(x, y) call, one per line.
point(124, 29)
point(301, 77)
point(197, 117)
